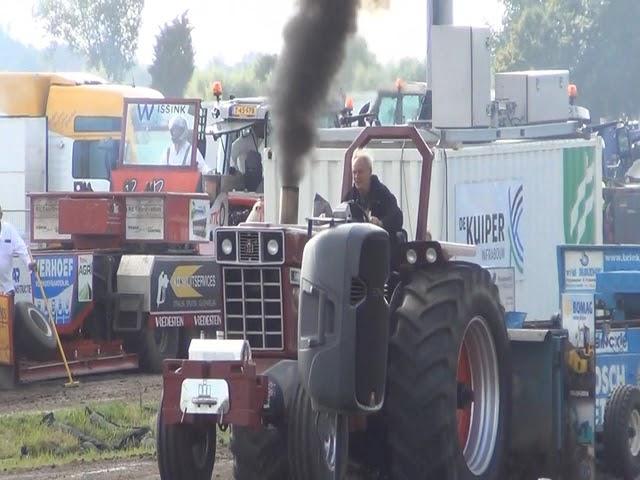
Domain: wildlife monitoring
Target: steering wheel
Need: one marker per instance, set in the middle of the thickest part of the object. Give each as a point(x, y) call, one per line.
point(358, 214)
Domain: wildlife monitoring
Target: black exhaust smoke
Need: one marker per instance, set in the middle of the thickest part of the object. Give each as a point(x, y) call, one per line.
point(314, 48)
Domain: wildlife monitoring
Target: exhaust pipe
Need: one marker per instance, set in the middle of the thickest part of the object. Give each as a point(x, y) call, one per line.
point(289, 205)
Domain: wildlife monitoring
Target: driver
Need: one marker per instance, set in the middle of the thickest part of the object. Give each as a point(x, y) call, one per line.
point(179, 152)
point(373, 196)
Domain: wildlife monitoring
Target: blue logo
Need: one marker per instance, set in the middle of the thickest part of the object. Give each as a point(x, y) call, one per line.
point(16, 275)
point(516, 208)
point(584, 259)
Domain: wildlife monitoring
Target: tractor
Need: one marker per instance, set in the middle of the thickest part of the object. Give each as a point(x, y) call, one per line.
point(122, 281)
point(331, 361)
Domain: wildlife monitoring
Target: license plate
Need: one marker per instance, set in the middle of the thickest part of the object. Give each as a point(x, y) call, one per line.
point(204, 396)
point(244, 111)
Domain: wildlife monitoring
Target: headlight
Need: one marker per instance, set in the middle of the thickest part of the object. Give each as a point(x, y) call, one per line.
point(227, 246)
point(412, 256)
point(432, 255)
point(272, 247)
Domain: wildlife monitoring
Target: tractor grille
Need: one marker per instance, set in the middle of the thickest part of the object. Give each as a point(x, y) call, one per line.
point(249, 243)
point(253, 306)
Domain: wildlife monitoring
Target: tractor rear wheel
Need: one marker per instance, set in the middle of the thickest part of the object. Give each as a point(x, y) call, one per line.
point(258, 453)
point(318, 441)
point(185, 450)
point(449, 377)
point(154, 345)
point(621, 435)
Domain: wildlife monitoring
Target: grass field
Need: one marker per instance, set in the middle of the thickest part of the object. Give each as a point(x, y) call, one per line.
point(83, 433)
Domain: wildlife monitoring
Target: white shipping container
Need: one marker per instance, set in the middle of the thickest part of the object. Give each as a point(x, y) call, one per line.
point(515, 200)
point(23, 166)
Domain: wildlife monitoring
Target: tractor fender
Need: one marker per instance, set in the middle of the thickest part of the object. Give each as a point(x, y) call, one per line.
point(284, 378)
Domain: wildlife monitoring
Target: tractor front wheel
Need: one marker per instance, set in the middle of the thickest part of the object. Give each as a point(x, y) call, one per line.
point(449, 377)
point(318, 441)
point(185, 450)
point(259, 453)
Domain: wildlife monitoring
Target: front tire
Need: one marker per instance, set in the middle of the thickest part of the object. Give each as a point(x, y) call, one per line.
point(185, 450)
point(621, 435)
point(259, 453)
point(318, 441)
point(449, 378)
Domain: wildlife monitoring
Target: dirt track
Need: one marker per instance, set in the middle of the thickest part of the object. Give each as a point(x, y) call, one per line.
point(139, 469)
point(45, 396)
point(52, 394)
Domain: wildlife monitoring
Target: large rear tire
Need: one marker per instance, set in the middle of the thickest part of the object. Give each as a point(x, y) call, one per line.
point(449, 378)
point(185, 450)
point(259, 453)
point(34, 335)
point(621, 435)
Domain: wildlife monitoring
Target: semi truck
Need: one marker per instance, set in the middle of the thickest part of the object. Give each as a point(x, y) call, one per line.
point(61, 132)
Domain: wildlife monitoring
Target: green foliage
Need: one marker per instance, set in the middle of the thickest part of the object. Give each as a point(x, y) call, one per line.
point(360, 71)
point(594, 39)
point(105, 31)
point(173, 62)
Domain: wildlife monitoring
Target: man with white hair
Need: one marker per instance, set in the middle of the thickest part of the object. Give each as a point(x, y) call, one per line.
point(11, 244)
point(372, 195)
point(179, 153)
point(375, 199)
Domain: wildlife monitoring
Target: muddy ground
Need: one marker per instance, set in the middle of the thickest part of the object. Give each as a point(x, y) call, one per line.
point(46, 396)
point(53, 394)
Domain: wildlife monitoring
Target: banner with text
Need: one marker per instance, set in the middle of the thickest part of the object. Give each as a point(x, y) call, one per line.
point(490, 216)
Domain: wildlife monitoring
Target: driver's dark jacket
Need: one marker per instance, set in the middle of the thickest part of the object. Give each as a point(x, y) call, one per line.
point(382, 204)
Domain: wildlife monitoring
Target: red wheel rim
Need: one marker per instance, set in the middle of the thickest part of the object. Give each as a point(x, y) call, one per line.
point(464, 414)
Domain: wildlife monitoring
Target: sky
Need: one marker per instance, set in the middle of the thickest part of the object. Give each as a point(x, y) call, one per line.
point(230, 29)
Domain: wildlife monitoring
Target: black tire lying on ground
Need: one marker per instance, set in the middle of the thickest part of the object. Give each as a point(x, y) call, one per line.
point(621, 432)
point(185, 451)
point(440, 310)
point(34, 336)
point(315, 440)
point(259, 453)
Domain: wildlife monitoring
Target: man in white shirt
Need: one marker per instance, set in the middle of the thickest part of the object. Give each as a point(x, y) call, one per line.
point(179, 153)
point(11, 243)
point(240, 148)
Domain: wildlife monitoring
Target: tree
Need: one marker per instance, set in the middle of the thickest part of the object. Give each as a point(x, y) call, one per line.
point(264, 65)
point(594, 39)
point(173, 62)
point(105, 31)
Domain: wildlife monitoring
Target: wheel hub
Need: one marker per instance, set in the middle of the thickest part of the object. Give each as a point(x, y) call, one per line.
point(478, 399)
point(634, 428)
point(328, 433)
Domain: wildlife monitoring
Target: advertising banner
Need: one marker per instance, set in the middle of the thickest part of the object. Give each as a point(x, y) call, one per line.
point(145, 219)
point(490, 216)
point(578, 318)
point(198, 220)
point(58, 275)
point(6, 350)
point(186, 292)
